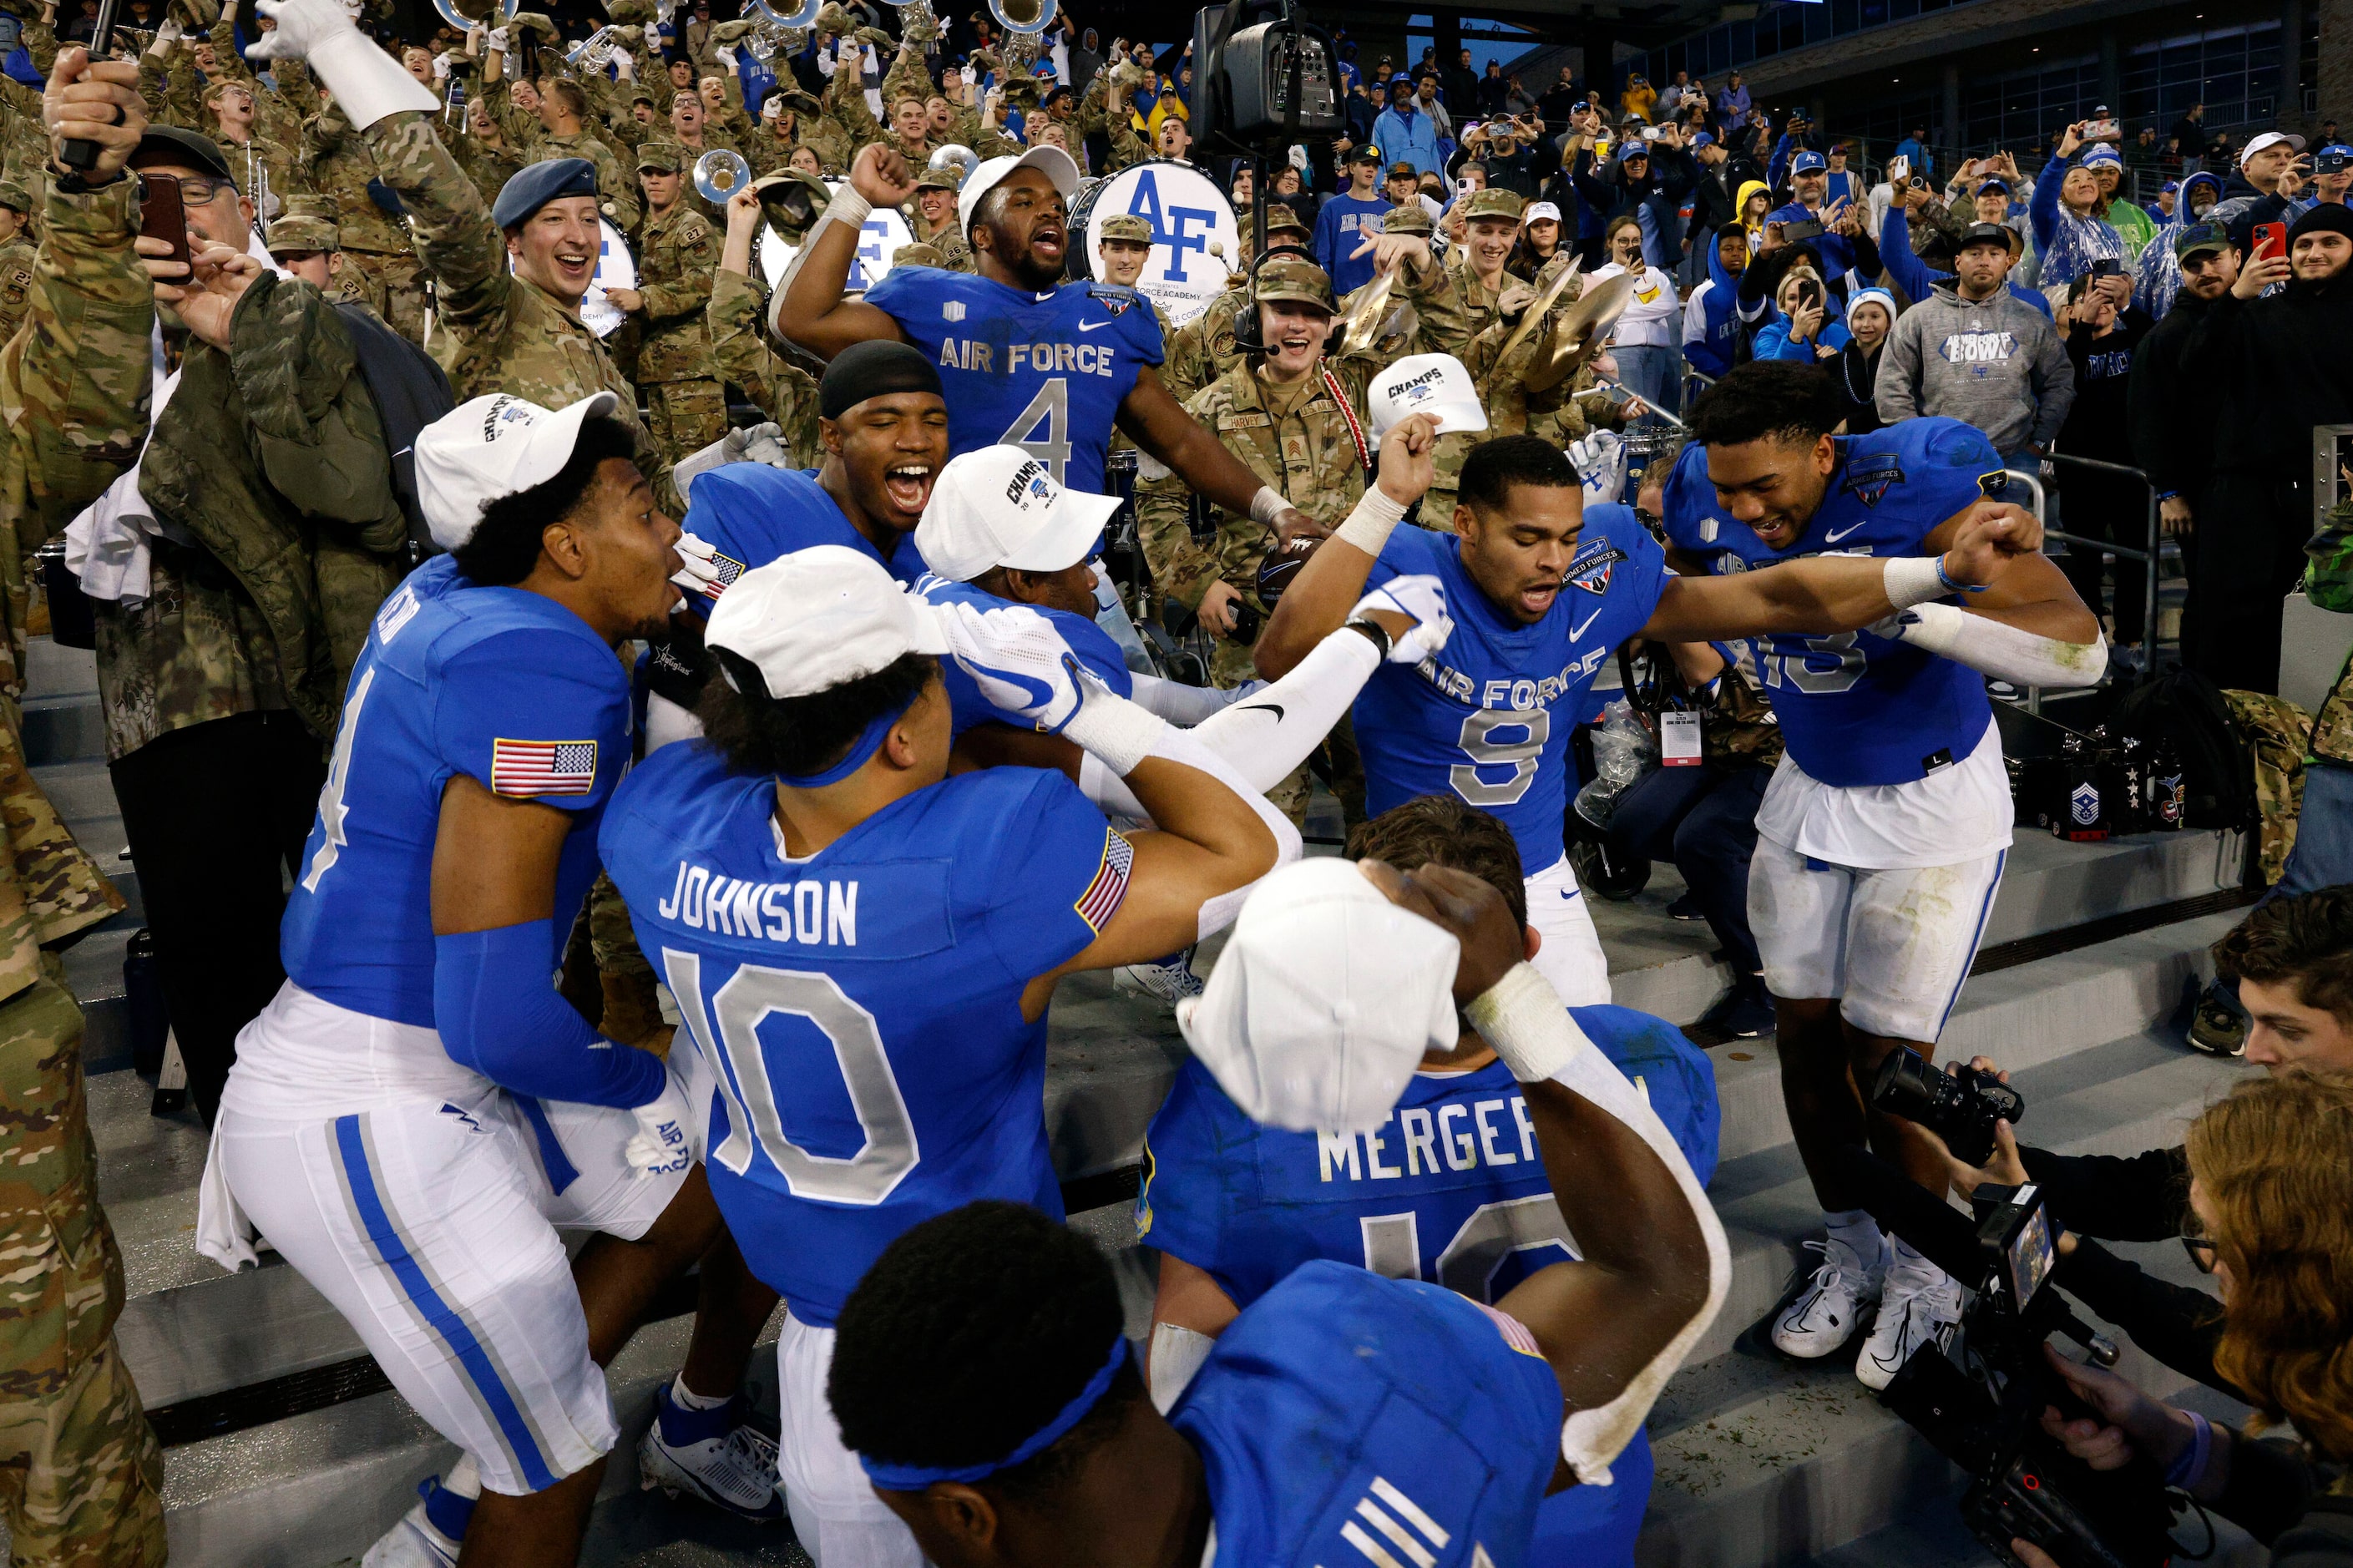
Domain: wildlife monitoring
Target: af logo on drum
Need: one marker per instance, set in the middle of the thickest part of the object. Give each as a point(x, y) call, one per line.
point(1188, 214)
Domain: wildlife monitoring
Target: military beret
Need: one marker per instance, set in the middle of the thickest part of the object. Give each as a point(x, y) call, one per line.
point(12, 195)
point(1130, 227)
point(1410, 219)
point(1496, 201)
point(298, 233)
point(1295, 278)
point(947, 177)
point(664, 157)
point(535, 185)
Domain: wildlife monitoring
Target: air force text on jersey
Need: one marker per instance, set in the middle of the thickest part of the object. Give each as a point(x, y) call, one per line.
point(1046, 359)
point(809, 913)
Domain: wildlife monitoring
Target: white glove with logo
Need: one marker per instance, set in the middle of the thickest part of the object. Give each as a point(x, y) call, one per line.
point(699, 570)
point(497, 41)
point(1018, 660)
point(753, 444)
point(368, 84)
point(1422, 597)
point(1601, 462)
point(663, 1145)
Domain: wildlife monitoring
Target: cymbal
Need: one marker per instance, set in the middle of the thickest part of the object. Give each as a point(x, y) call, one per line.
point(1577, 336)
point(1536, 312)
point(1365, 318)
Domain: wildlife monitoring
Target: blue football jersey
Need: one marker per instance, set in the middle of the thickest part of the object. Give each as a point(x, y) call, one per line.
point(505, 686)
point(861, 1008)
point(751, 514)
point(1349, 1419)
point(1046, 373)
point(1856, 708)
point(1087, 640)
point(1488, 717)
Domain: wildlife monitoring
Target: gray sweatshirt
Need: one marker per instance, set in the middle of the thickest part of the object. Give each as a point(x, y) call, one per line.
point(1995, 363)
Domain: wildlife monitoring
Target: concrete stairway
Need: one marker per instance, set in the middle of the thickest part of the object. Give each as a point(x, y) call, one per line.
point(1758, 1461)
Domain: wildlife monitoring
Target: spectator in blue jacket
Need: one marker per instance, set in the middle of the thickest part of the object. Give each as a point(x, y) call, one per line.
point(1803, 329)
point(1916, 147)
point(1404, 134)
point(1344, 217)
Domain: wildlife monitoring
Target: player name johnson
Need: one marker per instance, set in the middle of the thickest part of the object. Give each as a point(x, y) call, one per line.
point(811, 914)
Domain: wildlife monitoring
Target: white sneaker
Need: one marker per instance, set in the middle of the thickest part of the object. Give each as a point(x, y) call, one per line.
point(715, 1455)
point(1824, 1315)
point(1171, 980)
point(414, 1543)
point(1922, 1304)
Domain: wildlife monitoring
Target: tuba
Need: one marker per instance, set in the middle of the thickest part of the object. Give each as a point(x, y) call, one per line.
point(781, 32)
point(918, 23)
point(1025, 22)
point(963, 159)
point(495, 13)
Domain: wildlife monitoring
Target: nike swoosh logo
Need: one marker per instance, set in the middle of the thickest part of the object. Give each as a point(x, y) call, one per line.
point(1578, 630)
point(1836, 534)
point(1273, 708)
point(1091, 326)
point(1037, 691)
point(1570, 894)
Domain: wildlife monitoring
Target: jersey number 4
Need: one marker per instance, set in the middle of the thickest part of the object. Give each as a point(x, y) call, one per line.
point(1049, 410)
point(738, 1008)
point(1467, 1266)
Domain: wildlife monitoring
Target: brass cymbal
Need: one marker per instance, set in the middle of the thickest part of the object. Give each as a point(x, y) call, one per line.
point(1365, 318)
point(1577, 336)
point(1536, 312)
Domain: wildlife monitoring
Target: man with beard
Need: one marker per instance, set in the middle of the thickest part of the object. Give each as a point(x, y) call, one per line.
point(1028, 360)
point(2172, 435)
point(2272, 368)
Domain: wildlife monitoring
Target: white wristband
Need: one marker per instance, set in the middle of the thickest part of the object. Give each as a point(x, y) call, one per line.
point(1914, 580)
point(846, 207)
point(1121, 733)
point(1368, 527)
point(1524, 1018)
point(1266, 504)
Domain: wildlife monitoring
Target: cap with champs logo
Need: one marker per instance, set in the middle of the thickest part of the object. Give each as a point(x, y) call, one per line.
point(819, 617)
point(490, 448)
point(1295, 278)
point(1324, 1000)
point(1436, 384)
point(999, 507)
point(1495, 201)
point(1048, 160)
point(1132, 227)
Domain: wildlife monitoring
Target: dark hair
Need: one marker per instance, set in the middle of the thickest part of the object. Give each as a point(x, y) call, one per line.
point(1494, 466)
point(796, 736)
point(1441, 828)
point(505, 545)
point(970, 1332)
point(1779, 398)
point(2306, 941)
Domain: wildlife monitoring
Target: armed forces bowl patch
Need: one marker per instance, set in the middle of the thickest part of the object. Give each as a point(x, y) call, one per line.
point(1591, 570)
point(1868, 478)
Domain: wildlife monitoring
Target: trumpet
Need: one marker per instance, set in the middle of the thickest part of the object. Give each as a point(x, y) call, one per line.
point(594, 52)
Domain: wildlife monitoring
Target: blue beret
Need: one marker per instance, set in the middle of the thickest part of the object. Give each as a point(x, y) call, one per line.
point(535, 185)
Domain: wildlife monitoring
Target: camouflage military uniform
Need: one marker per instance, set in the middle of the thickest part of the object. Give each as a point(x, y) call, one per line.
point(264, 171)
point(377, 250)
point(1138, 230)
point(169, 93)
point(2274, 731)
point(1512, 407)
point(1282, 227)
point(678, 253)
point(276, 114)
point(497, 332)
point(17, 260)
point(739, 348)
point(947, 235)
point(80, 1473)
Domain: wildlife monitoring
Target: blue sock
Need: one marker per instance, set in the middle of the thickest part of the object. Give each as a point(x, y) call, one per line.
point(445, 1510)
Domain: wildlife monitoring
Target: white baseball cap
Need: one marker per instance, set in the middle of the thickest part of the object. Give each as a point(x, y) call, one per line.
point(1536, 210)
point(1059, 165)
point(1425, 384)
point(2269, 139)
point(1324, 1002)
point(818, 617)
point(490, 448)
point(998, 506)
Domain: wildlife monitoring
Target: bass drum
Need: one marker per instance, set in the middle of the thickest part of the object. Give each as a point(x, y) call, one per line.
point(879, 240)
point(1188, 214)
point(616, 268)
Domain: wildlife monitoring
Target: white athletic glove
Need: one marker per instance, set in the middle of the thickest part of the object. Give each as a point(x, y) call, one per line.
point(661, 1146)
point(1422, 597)
point(1018, 660)
point(166, 36)
point(1601, 462)
point(754, 444)
point(368, 84)
point(497, 40)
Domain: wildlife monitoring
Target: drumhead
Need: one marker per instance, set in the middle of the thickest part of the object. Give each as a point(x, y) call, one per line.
point(616, 268)
point(1188, 213)
point(879, 240)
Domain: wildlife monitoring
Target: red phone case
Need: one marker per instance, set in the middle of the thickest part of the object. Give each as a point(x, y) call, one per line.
point(2271, 239)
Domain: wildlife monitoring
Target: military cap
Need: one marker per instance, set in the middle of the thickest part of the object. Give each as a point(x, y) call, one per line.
point(1130, 227)
point(535, 185)
point(1295, 278)
point(12, 195)
point(1279, 216)
point(640, 94)
point(918, 255)
point(1496, 201)
point(947, 177)
point(1410, 219)
point(311, 204)
point(793, 201)
point(1401, 170)
point(301, 233)
point(662, 157)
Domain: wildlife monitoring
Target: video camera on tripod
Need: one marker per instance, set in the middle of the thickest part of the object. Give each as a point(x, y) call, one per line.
point(1978, 1398)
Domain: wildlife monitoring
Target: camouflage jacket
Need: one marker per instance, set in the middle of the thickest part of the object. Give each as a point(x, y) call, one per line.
point(16, 265)
point(489, 167)
point(278, 113)
point(270, 457)
point(264, 172)
point(2328, 582)
point(955, 250)
point(678, 255)
point(496, 333)
point(739, 350)
point(1513, 409)
point(341, 166)
point(173, 91)
point(22, 134)
point(74, 392)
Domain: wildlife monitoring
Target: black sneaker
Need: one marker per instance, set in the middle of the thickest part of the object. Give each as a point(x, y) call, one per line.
point(1685, 908)
point(2219, 1026)
point(1744, 1011)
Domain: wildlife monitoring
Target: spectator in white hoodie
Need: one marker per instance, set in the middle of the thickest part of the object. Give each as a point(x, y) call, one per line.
point(1648, 340)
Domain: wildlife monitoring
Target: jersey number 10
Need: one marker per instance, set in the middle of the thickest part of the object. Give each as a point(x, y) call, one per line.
point(1479, 1247)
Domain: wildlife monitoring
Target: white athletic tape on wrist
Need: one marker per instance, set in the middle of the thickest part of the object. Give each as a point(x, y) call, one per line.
point(847, 207)
point(1176, 1354)
point(1368, 527)
point(1914, 580)
point(1523, 1018)
point(1997, 648)
point(1123, 733)
point(1266, 504)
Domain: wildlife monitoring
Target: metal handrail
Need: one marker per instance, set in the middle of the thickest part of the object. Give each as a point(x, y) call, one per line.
point(2150, 555)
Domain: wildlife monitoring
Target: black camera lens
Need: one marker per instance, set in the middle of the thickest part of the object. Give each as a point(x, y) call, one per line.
point(1958, 1107)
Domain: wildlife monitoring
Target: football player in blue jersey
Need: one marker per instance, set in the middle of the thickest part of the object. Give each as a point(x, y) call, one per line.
point(983, 1376)
point(835, 913)
point(1448, 1188)
point(1881, 837)
point(1030, 361)
point(1541, 587)
point(418, 1114)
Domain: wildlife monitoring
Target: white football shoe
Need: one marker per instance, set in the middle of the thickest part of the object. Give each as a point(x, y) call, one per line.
point(1824, 1315)
point(1171, 979)
point(416, 1542)
point(1920, 1305)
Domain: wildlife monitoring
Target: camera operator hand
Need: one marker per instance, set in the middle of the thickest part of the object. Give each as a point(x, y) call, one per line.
point(2130, 1423)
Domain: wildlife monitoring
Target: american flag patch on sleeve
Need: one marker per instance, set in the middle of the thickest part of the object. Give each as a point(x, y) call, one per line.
point(1101, 898)
point(526, 768)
